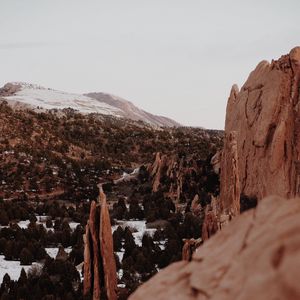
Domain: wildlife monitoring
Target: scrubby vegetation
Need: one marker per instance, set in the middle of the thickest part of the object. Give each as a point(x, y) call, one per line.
point(50, 165)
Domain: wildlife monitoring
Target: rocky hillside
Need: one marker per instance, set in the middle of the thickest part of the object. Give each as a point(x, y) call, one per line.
point(65, 153)
point(158, 183)
point(40, 98)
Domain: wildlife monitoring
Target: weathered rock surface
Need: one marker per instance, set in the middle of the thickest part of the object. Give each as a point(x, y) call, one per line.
point(189, 247)
point(107, 250)
point(210, 225)
point(265, 114)
point(100, 277)
point(230, 184)
point(257, 256)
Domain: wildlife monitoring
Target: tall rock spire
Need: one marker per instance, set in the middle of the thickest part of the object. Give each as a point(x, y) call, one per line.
point(100, 276)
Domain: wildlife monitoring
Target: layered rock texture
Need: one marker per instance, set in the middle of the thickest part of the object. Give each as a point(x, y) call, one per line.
point(264, 116)
point(257, 256)
point(100, 279)
point(230, 183)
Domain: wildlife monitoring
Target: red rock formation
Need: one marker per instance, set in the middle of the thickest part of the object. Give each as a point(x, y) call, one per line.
point(94, 231)
point(265, 114)
point(216, 162)
point(261, 260)
point(87, 269)
point(189, 247)
point(173, 168)
point(210, 224)
point(107, 250)
point(196, 207)
point(100, 277)
point(230, 184)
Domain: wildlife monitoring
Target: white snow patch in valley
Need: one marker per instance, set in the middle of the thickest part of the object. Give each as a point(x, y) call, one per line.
point(41, 220)
point(52, 252)
point(73, 225)
point(139, 228)
point(120, 255)
point(13, 268)
point(24, 224)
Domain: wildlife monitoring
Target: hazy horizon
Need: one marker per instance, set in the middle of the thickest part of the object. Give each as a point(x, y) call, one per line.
point(174, 58)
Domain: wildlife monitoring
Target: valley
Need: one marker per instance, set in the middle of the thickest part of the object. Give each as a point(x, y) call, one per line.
point(51, 165)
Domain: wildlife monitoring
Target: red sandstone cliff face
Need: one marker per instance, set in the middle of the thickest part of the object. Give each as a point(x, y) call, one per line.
point(265, 115)
point(257, 256)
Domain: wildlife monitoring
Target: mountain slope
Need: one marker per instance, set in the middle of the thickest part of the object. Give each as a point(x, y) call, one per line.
point(34, 96)
point(131, 111)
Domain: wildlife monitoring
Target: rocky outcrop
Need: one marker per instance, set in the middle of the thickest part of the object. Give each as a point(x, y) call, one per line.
point(210, 224)
point(257, 256)
point(189, 247)
point(171, 167)
point(216, 162)
point(171, 173)
point(100, 279)
point(107, 250)
point(9, 89)
point(265, 116)
point(230, 184)
point(196, 207)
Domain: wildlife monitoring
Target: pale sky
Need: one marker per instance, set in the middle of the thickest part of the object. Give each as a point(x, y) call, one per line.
point(169, 57)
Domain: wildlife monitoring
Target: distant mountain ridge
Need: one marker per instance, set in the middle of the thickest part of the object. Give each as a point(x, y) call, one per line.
point(35, 96)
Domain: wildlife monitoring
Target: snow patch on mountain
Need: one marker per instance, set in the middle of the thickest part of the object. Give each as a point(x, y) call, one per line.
point(38, 97)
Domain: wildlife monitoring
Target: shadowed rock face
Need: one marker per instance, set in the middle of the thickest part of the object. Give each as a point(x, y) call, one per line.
point(265, 115)
point(257, 256)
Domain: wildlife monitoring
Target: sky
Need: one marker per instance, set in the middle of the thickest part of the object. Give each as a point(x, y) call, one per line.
point(169, 57)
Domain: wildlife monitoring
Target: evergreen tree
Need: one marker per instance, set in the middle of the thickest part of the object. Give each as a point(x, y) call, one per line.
point(26, 257)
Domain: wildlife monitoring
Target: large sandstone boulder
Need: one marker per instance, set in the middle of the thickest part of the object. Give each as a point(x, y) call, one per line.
point(265, 116)
point(257, 256)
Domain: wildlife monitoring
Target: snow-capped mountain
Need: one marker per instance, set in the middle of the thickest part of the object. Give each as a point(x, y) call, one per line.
point(35, 96)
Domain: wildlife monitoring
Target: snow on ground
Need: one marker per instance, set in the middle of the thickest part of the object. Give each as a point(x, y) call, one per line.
point(12, 268)
point(52, 252)
point(38, 96)
point(73, 225)
point(161, 244)
point(120, 273)
point(128, 177)
point(139, 228)
point(24, 224)
point(120, 255)
point(41, 220)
